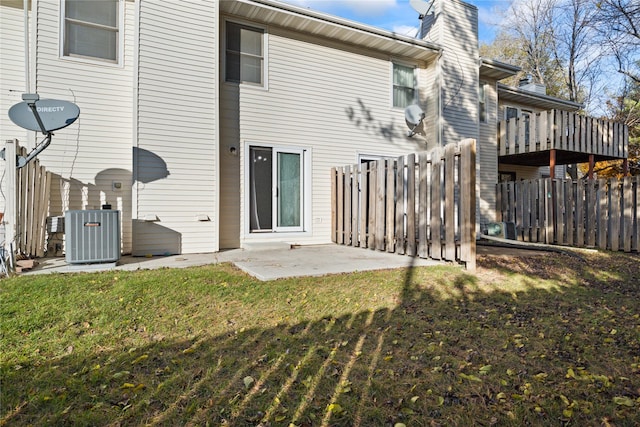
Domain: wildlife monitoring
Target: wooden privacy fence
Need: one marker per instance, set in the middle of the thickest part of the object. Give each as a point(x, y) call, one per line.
point(418, 205)
point(601, 213)
point(31, 190)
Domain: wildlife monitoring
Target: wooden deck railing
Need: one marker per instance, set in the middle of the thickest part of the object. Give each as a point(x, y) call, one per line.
point(602, 214)
point(562, 130)
point(417, 205)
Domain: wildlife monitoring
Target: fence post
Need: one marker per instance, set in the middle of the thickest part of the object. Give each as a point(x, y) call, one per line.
point(436, 203)
point(449, 203)
point(569, 211)
point(627, 220)
point(400, 210)
point(580, 213)
point(381, 206)
point(347, 206)
point(602, 214)
point(373, 191)
point(411, 205)
point(549, 211)
point(10, 208)
point(468, 203)
point(390, 209)
point(334, 202)
point(614, 214)
point(355, 207)
point(635, 241)
point(423, 246)
point(590, 221)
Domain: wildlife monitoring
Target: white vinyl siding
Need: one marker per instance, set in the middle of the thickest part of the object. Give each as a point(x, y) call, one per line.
point(12, 83)
point(456, 30)
point(86, 158)
point(487, 155)
point(175, 157)
point(313, 102)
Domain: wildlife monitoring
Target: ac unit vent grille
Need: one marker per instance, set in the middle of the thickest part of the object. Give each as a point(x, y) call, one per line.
point(92, 236)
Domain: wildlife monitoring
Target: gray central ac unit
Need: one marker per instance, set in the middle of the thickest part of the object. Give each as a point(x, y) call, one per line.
point(92, 236)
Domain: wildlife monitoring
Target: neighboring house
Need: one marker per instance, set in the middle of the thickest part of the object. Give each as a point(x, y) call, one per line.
point(214, 124)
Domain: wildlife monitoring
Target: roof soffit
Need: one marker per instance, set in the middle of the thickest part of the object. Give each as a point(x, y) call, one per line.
point(546, 102)
point(328, 27)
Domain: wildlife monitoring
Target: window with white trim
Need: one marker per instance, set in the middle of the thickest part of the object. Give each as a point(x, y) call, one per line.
point(91, 29)
point(482, 102)
point(404, 85)
point(244, 54)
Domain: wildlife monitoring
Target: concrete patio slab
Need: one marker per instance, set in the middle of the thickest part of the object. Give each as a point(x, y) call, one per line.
point(264, 263)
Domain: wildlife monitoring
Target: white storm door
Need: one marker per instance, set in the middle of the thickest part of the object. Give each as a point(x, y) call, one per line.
point(288, 198)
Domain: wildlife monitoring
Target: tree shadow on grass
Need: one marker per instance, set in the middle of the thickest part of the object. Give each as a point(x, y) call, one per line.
point(470, 356)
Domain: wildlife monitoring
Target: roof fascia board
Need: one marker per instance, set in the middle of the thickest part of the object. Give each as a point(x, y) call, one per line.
point(341, 22)
point(505, 69)
point(526, 95)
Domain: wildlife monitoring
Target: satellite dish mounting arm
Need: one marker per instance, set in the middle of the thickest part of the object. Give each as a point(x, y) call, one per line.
point(30, 99)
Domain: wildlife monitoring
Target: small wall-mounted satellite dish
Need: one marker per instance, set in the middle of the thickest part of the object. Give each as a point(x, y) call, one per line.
point(414, 116)
point(422, 7)
point(54, 114)
point(44, 116)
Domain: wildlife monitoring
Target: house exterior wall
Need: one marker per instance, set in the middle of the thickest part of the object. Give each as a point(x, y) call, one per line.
point(175, 158)
point(333, 100)
point(454, 26)
point(487, 156)
point(88, 156)
point(12, 83)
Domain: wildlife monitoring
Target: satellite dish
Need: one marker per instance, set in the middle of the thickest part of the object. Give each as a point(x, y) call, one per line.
point(54, 114)
point(42, 115)
point(414, 116)
point(421, 6)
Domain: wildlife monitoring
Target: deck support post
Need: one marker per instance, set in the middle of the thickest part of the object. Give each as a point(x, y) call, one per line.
point(625, 167)
point(552, 163)
point(592, 164)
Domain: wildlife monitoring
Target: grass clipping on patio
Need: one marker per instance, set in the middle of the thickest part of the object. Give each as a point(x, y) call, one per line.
point(548, 340)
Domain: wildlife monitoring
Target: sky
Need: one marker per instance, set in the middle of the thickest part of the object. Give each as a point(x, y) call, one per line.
point(398, 16)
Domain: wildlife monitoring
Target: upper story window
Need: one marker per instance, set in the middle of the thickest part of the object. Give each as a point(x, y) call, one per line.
point(91, 29)
point(404, 85)
point(244, 54)
point(482, 102)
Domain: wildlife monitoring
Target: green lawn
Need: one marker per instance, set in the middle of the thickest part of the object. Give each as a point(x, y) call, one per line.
point(551, 340)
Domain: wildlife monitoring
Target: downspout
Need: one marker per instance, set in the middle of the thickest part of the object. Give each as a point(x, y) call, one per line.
point(134, 140)
point(27, 50)
point(216, 123)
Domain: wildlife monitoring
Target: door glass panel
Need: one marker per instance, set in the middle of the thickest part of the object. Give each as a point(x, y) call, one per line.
point(260, 177)
point(289, 214)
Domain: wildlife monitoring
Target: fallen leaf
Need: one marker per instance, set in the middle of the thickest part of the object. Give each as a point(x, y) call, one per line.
point(334, 408)
point(623, 401)
point(485, 369)
point(140, 359)
point(470, 377)
point(248, 380)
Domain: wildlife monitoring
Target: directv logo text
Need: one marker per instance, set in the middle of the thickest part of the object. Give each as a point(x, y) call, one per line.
point(49, 109)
